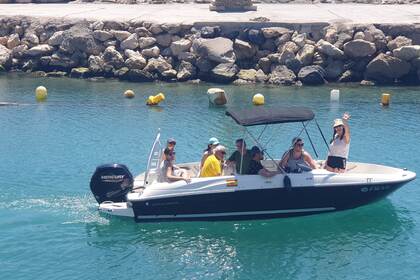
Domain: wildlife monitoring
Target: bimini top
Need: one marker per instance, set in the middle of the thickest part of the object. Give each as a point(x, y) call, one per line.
point(270, 115)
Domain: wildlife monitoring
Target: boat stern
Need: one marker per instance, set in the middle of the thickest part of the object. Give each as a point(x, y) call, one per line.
point(122, 209)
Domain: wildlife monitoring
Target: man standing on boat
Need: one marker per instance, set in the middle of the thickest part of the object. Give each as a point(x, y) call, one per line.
point(241, 157)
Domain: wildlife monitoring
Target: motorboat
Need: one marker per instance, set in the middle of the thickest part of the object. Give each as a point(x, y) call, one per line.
point(233, 196)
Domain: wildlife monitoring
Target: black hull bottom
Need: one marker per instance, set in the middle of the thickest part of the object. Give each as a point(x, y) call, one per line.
point(260, 204)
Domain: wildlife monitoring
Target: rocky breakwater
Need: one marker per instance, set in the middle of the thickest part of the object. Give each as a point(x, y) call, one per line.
point(143, 51)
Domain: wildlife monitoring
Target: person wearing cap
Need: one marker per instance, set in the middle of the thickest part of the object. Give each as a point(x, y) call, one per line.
point(213, 142)
point(255, 167)
point(297, 159)
point(213, 165)
point(170, 144)
point(339, 146)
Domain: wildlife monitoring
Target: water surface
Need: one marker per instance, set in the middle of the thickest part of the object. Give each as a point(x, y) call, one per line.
point(50, 229)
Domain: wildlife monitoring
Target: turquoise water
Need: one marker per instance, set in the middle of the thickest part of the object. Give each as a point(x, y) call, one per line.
point(50, 229)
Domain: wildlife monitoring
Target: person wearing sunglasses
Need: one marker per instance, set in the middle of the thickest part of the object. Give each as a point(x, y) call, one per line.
point(213, 164)
point(171, 172)
point(297, 160)
point(339, 146)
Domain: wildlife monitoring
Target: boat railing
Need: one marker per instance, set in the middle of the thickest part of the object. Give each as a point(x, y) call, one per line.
point(154, 160)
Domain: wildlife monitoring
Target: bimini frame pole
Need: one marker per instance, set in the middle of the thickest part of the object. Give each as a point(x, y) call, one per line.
point(322, 134)
point(309, 138)
point(242, 150)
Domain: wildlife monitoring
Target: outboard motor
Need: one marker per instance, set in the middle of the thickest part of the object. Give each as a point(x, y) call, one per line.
point(111, 182)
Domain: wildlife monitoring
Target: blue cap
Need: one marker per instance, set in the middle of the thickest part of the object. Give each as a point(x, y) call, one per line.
point(213, 141)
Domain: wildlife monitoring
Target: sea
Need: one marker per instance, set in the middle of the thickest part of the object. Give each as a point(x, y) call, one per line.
point(50, 227)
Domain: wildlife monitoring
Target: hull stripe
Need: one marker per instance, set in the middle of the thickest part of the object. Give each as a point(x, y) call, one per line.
point(235, 213)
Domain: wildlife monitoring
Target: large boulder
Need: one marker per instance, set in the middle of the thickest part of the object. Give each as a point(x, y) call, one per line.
point(145, 42)
point(329, 49)
point(130, 43)
point(120, 35)
point(248, 75)
point(386, 68)
point(399, 42)
point(137, 75)
point(79, 38)
point(102, 35)
point(112, 57)
point(306, 54)
point(224, 72)
point(180, 46)
point(359, 48)
point(256, 36)
point(151, 52)
point(334, 69)
point(157, 65)
point(281, 75)
point(244, 50)
point(185, 71)
point(219, 50)
point(135, 61)
point(312, 75)
point(274, 32)
point(40, 50)
point(5, 56)
point(56, 39)
point(407, 53)
point(96, 64)
point(13, 41)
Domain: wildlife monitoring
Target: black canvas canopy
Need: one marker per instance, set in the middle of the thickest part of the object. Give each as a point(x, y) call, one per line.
point(270, 115)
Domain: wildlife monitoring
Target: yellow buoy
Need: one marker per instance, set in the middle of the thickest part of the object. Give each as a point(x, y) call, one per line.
point(155, 100)
point(129, 93)
point(386, 98)
point(41, 93)
point(258, 99)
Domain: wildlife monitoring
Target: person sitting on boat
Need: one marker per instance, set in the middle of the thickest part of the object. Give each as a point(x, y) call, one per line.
point(213, 142)
point(170, 144)
point(171, 172)
point(339, 145)
point(255, 167)
point(297, 159)
point(241, 157)
point(213, 165)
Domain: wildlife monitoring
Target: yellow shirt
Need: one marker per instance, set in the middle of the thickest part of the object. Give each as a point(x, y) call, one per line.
point(211, 167)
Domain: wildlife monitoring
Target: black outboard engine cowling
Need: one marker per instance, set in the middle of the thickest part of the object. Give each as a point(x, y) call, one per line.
point(111, 182)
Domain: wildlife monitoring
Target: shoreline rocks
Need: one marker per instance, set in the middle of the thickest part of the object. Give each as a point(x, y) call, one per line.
point(279, 55)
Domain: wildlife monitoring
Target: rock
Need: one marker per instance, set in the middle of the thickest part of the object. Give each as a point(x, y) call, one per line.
point(112, 57)
point(180, 46)
point(331, 35)
point(306, 54)
point(269, 45)
point(56, 39)
point(97, 25)
point(281, 75)
point(157, 65)
point(293, 64)
point(240, 82)
point(274, 32)
point(256, 36)
point(121, 72)
point(329, 49)
point(261, 77)
point(136, 75)
point(299, 40)
point(312, 75)
point(399, 42)
point(152, 52)
point(247, 75)
point(156, 28)
point(187, 56)
point(407, 53)
point(130, 43)
point(102, 35)
point(342, 39)
point(29, 65)
point(19, 51)
point(80, 72)
point(167, 52)
point(164, 40)
point(219, 50)
point(385, 68)
point(169, 75)
point(283, 39)
point(145, 42)
point(115, 25)
point(30, 39)
point(39, 74)
point(359, 48)
point(359, 35)
point(63, 61)
point(217, 96)
point(120, 35)
point(210, 32)
point(142, 32)
point(204, 65)
point(40, 50)
point(3, 40)
point(367, 83)
point(172, 28)
point(334, 69)
point(244, 50)
point(285, 55)
point(56, 74)
point(224, 72)
point(264, 64)
point(136, 62)
point(319, 59)
point(185, 71)
point(79, 38)
point(350, 76)
point(13, 41)
point(378, 38)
